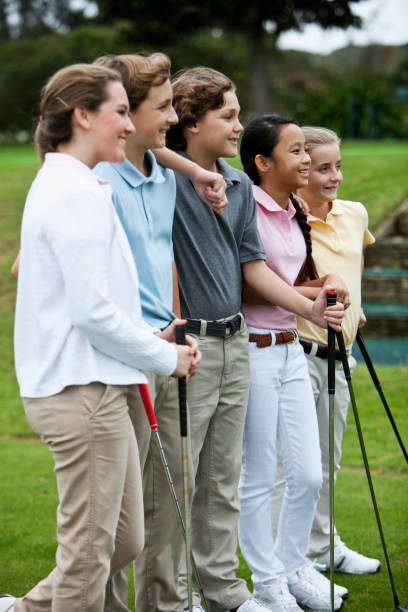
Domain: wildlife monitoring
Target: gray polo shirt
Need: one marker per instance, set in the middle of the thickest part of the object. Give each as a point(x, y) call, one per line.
point(209, 248)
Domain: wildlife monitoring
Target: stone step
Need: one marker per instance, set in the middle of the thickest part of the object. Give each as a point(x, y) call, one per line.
point(402, 224)
point(385, 285)
point(388, 253)
point(386, 320)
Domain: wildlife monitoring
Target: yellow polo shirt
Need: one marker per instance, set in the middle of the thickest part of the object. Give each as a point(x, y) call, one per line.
point(337, 246)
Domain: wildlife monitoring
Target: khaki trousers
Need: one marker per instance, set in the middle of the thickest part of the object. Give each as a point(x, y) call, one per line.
point(156, 568)
point(100, 512)
point(319, 542)
point(217, 397)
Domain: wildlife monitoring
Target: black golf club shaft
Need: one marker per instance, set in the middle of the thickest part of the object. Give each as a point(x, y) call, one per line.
point(144, 392)
point(331, 299)
point(347, 374)
point(373, 374)
point(182, 387)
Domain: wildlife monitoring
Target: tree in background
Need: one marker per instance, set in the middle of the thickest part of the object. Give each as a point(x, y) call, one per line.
point(21, 18)
point(360, 92)
point(260, 23)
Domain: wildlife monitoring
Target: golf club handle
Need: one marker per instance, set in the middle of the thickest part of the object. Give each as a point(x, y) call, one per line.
point(367, 359)
point(182, 386)
point(331, 299)
point(343, 355)
point(148, 406)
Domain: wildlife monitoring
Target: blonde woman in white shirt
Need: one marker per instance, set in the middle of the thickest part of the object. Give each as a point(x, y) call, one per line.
point(80, 339)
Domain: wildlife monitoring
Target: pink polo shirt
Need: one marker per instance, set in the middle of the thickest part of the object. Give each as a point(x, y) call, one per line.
point(285, 253)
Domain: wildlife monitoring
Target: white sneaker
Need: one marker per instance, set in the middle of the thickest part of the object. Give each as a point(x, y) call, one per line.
point(5, 602)
point(252, 605)
point(347, 561)
point(309, 593)
point(319, 579)
point(277, 598)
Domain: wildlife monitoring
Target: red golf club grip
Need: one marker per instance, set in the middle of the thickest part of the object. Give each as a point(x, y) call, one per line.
point(148, 406)
point(331, 297)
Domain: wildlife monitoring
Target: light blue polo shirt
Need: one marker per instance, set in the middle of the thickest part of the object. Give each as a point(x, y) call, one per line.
point(145, 206)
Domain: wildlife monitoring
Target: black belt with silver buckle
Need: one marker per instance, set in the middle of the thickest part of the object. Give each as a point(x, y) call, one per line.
point(322, 351)
point(222, 329)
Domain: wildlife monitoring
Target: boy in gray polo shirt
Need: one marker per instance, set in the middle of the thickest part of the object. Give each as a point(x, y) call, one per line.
point(144, 197)
point(212, 254)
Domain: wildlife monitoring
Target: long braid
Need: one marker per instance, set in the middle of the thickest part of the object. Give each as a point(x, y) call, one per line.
point(308, 269)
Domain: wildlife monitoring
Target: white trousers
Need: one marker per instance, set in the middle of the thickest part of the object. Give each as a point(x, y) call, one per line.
point(281, 410)
point(320, 534)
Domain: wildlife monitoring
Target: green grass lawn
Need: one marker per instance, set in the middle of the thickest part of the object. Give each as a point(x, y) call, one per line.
point(375, 173)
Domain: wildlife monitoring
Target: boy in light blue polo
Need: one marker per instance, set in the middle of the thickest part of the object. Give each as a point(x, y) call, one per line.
point(144, 197)
point(143, 193)
point(145, 206)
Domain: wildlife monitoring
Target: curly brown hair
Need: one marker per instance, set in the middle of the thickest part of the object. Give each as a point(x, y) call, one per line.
point(139, 73)
point(195, 92)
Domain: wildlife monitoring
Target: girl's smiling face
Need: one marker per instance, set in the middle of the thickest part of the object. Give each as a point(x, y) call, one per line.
point(325, 175)
point(290, 161)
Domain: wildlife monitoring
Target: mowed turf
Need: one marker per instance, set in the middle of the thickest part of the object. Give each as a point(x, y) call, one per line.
point(375, 174)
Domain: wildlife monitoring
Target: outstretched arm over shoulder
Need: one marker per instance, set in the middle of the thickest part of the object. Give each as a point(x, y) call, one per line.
point(210, 186)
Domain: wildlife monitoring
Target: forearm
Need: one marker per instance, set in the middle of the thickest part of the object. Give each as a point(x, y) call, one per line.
point(94, 310)
point(15, 266)
point(176, 293)
point(274, 290)
point(210, 186)
point(250, 296)
point(168, 158)
point(311, 288)
point(112, 332)
point(309, 292)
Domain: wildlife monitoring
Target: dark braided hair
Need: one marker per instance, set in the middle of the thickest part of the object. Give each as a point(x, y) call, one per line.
point(308, 269)
point(260, 137)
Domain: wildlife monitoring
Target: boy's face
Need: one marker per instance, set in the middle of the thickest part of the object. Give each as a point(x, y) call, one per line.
point(219, 130)
point(154, 116)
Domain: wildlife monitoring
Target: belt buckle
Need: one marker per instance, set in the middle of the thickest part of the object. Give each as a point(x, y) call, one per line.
point(294, 333)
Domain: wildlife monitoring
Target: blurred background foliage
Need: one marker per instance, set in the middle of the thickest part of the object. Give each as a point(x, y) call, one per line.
point(361, 92)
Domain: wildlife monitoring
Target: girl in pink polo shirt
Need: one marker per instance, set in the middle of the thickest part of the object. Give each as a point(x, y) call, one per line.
point(339, 230)
point(281, 409)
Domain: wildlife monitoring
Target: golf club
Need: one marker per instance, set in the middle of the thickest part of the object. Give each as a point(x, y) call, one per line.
point(347, 374)
point(331, 298)
point(370, 366)
point(144, 393)
point(181, 339)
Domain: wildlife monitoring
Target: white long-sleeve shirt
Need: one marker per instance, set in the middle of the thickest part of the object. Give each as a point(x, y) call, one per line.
point(78, 316)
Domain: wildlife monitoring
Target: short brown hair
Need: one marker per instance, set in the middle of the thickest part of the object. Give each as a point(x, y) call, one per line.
point(139, 73)
point(195, 92)
point(72, 86)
